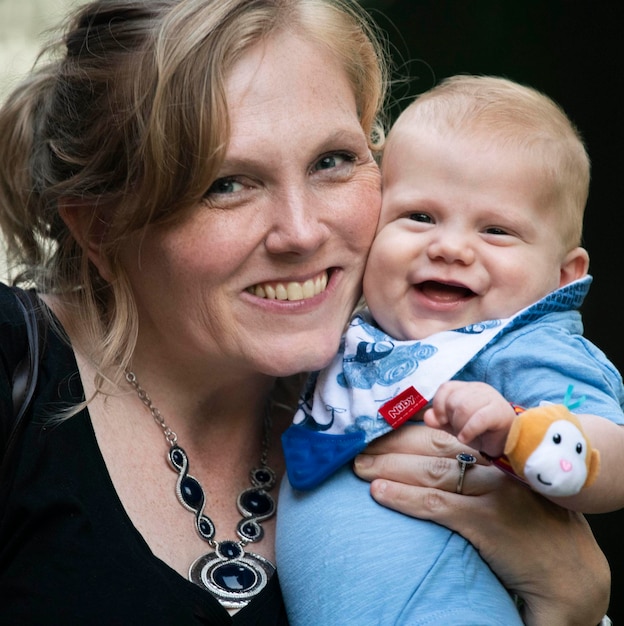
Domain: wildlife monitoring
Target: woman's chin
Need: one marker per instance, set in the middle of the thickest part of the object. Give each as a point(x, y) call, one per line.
point(312, 354)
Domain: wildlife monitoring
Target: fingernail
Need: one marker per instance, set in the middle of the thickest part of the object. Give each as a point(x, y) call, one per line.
point(363, 461)
point(381, 488)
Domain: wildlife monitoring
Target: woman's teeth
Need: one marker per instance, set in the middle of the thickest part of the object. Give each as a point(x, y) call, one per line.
point(291, 291)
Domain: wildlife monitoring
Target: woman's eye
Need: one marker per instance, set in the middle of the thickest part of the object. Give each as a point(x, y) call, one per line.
point(420, 217)
point(224, 186)
point(331, 161)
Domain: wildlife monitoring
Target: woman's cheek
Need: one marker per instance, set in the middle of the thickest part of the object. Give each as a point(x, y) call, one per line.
point(367, 206)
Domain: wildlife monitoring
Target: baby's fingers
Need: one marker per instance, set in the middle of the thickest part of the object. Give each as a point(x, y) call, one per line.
point(435, 419)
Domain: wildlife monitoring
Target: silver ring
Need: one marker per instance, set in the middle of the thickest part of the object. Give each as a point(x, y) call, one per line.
point(465, 460)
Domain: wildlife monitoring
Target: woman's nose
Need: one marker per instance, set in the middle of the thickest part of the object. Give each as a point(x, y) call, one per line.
point(452, 247)
point(298, 225)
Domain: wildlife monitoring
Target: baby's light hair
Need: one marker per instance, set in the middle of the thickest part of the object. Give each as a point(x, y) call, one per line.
point(500, 110)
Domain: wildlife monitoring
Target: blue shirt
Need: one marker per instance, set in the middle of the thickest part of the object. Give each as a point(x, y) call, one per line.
point(343, 559)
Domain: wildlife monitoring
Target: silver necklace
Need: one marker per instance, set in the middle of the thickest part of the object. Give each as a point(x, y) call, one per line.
point(228, 572)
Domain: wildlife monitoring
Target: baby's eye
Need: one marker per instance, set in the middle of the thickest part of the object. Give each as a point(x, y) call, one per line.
point(330, 161)
point(420, 217)
point(224, 186)
point(495, 230)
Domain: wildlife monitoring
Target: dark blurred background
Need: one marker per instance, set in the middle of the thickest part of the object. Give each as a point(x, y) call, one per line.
point(572, 50)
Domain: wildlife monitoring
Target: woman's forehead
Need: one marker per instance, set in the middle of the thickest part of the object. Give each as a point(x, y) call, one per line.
point(289, 84)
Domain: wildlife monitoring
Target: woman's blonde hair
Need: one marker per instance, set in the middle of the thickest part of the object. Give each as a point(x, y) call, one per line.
point(501, 111)
point(128, 122)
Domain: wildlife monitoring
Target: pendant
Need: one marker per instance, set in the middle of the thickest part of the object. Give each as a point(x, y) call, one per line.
point(230, 574)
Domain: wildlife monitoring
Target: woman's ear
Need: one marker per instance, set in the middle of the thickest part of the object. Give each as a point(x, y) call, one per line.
point(87, 226)
point(574, 266)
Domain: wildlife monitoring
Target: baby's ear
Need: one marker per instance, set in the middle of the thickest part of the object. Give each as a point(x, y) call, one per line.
point(574, 266)
point(87, 226)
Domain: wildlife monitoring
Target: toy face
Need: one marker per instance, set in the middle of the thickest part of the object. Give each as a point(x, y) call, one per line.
point(558, 465)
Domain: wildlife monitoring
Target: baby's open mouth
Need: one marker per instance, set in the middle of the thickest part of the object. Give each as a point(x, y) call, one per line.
point(444, 292)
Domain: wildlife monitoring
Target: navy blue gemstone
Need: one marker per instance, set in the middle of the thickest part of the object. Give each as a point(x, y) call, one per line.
point(466, 457)
point(230, 549)
point(234, 577)
point(262, 476)
point(191, 491)
point(250, 530)
point(205, 527)
point(177, 457)
point(256, 502)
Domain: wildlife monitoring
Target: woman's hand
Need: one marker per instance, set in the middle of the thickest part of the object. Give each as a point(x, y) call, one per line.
point(545, 554)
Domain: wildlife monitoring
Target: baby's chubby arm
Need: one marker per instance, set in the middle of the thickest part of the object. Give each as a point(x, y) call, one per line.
point(474, 412)
point(481, 418)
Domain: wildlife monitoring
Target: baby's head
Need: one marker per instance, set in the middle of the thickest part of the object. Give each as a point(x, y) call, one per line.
point(501, 113)
point(484, 188)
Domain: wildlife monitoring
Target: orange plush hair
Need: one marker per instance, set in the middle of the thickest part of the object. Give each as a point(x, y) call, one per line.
point(528, 433)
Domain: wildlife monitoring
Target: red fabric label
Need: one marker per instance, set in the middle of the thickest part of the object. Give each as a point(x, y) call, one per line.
point(402, 407)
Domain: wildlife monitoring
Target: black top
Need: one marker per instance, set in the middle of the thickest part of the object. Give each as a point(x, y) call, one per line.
point(69, 554)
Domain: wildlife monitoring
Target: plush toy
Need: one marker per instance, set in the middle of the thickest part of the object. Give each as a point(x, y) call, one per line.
point(547, 448)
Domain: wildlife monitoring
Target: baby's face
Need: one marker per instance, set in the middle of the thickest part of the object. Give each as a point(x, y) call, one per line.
point(466, 234)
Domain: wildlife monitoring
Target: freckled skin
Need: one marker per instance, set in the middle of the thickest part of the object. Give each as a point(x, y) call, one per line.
point(297, 195)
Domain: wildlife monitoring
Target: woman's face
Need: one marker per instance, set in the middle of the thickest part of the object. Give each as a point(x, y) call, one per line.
point(263, 274)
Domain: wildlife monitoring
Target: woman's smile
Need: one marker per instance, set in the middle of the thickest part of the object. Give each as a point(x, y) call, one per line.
point(291, 290)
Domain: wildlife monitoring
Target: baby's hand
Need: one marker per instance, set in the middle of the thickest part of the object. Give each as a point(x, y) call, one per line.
point(474, 412)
